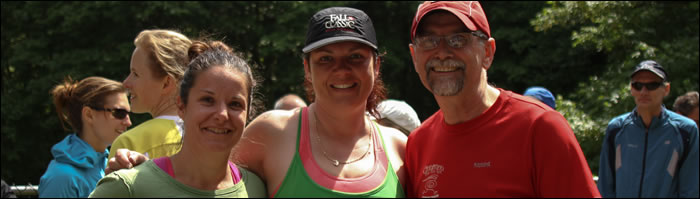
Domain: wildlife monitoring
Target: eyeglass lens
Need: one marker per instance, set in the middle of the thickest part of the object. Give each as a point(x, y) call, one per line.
point(457, 40)
point(117, 112)
point(650, 86)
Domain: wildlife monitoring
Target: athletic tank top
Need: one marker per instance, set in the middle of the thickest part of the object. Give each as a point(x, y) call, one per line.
point(306, 179)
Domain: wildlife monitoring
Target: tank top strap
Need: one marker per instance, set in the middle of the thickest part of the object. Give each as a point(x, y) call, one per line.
point(165, 165)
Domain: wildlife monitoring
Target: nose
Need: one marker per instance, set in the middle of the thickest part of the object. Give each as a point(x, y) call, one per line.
point(443, 50)
point(127, 121)
point(127, 82)
point(221, 112)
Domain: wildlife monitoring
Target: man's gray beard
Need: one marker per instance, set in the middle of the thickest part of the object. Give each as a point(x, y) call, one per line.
point(447, 86)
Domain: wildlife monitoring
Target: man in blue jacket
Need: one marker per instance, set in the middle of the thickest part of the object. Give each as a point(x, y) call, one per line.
point(651, 151)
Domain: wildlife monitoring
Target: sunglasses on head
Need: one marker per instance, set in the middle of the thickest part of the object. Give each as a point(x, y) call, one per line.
point(116, 112)
point(650, 86)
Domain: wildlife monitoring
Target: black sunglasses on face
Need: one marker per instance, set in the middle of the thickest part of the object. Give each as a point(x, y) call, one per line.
point(116, 112)
point(650, 86)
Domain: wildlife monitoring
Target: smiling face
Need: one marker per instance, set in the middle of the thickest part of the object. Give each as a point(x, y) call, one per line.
point(144, 88)
point(105, 125)
point(446, 70)
point(649, 99)
point(215, 113)
point(342, 72)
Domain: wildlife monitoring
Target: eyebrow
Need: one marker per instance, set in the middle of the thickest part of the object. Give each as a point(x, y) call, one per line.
point(356, 46)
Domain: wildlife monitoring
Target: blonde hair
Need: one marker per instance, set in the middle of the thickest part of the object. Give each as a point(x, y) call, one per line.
point(167, 50)
point(70, 97)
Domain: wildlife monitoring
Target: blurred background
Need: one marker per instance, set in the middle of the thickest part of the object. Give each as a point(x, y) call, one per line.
point(581, 51)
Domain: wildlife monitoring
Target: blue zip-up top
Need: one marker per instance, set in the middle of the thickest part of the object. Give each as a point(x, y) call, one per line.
point(74, 171)
point(645, 161)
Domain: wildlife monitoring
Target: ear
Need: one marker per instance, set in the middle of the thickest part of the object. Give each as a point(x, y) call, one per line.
point(489, 53)
point(169, 84)
point(307, 70)
point(180, 107)
point(87, 114)
point(377, 66)
point(667, 88)
point(413, 56)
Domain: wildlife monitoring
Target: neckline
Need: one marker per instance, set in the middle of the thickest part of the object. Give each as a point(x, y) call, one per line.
point(364, 183)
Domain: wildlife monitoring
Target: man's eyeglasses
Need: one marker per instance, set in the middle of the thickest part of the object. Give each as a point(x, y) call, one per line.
point(116, 112)
point(650, 86)
point(457, 40)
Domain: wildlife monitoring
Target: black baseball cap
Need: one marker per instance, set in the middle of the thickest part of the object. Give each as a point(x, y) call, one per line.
point(651, 66)
point(337, 24)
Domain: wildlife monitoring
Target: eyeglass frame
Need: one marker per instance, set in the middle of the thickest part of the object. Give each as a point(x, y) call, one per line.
point(114, 111)
point(417, 41)
point(638, 86)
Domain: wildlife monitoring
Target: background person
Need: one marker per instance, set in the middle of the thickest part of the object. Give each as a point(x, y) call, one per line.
point(651, 151)
point(543, 95)
point(484, 141)
point(215, 98)
point(97, 110)
point(157, 66)
point(289, 102)
point(397, 114)
point(687, 105)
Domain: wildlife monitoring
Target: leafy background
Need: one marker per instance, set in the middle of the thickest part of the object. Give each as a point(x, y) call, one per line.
point(581, 51)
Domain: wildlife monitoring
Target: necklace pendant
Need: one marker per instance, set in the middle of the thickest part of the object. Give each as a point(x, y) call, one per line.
point(336, 163)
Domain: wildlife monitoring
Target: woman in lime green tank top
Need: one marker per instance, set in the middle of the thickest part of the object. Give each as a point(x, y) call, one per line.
point(330, 149)
point(157, 66)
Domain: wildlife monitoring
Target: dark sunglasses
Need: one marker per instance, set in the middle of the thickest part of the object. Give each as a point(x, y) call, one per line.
point(650, 86)
point(457, 40)
point(116, 112)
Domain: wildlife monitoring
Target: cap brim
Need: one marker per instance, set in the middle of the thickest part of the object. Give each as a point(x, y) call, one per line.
point(332, 40)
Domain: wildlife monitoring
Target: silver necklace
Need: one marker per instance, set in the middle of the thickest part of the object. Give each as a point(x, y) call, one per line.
point(336, 162)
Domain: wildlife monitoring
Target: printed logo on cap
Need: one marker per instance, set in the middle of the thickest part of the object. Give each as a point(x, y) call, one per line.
point(340, 21)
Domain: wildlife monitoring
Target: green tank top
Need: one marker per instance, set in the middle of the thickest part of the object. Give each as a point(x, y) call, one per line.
point(306, 179)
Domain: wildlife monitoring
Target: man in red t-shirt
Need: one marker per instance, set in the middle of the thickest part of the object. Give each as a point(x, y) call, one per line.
point(484, 141)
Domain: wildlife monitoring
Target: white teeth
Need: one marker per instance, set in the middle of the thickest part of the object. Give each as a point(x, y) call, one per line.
point(444, 69)
point(342, 85)
point(218, 131)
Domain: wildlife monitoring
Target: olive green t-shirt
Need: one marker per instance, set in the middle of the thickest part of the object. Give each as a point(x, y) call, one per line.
point(148, 180)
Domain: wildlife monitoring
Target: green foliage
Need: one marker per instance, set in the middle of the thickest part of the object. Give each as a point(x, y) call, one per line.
point(588, 131)
point(581, 51)
point(627, 33)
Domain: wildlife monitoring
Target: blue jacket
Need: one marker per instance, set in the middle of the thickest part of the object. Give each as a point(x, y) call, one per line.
point(646, 160)
point(74, 171)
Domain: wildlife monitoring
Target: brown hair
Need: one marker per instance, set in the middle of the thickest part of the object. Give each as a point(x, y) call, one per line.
point(167, 51)
point(685, 104)
point(208, 54)
point(69, 97)
point(377, 95)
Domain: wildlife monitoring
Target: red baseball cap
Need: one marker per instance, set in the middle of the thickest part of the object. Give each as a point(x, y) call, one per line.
point(470, 12)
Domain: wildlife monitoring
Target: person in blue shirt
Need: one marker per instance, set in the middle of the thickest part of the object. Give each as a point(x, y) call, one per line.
point(651, 151)
point(97, 110)
point(543, 95)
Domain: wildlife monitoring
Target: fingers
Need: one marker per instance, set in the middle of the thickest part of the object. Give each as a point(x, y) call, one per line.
point(121, 160)
point(124, 159)
point(137, 158)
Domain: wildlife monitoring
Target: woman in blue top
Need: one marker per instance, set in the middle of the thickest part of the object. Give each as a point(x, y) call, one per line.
point(97, 110)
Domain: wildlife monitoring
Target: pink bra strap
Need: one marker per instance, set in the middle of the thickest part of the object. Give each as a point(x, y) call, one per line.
point(165, 164)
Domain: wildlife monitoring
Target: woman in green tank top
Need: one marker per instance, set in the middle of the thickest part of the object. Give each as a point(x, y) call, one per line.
point(330, 149)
